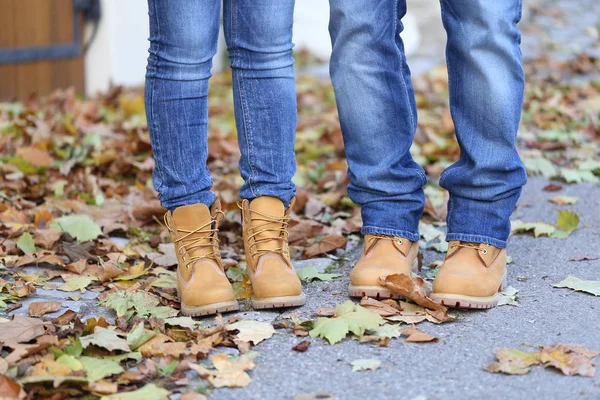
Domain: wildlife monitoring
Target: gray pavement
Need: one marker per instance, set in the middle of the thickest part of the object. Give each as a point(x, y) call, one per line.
point(453, 367)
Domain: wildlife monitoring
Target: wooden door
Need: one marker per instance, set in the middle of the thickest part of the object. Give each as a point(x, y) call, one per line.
point(28, 25)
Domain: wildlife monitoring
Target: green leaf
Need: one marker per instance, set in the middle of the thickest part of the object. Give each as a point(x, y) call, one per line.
point(577, 176)
point(508, 297)
point(81, 227)
point(540, 166)
point(26, 243)
point(98, 368)
point(538, 228)
point(105, 338)
point(138, 336)
point(572, 282)
point(235, 274)
point(78, 283)
point(70, 362)
point(350, 318)
point(365, 365)
point(140, 302)
point(165, 282)
point(148, 392)
point(309, 274)
point(74, 348)
point(567, 222)
point(169, 368)
point(390, 331)
point(134, 355)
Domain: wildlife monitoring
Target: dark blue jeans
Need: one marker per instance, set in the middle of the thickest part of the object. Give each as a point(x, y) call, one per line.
point(378, 115)
point(183, 41)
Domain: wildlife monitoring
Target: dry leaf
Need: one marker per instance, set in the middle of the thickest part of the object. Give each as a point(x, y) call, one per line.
point(379, 307)
point(415, 290)
point(569, 359)
point(325, 245)
point(40, 308)
point(302, 346)
point(415, 335)
point(252, 331)
point(22, 329)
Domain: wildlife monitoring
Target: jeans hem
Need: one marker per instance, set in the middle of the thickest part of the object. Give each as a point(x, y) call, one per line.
point(468, 237)
point(412, 236)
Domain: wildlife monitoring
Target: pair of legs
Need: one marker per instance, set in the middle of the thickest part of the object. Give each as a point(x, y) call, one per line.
point(183, 41)
point(378, 115)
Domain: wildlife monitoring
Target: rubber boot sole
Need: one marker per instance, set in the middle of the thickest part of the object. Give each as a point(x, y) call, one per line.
point(209, 309)
point(279, 302)
point(378, 292)
point(469, 302)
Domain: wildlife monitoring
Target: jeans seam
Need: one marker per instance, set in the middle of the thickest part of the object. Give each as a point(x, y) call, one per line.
point(476, 238)
point(402, 61)
point(152, 91)
point(243, 101)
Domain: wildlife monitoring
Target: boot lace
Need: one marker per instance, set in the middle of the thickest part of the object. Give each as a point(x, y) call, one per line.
point(377, 237)
point(189, 243)
point(473, 246)
point(262, 227)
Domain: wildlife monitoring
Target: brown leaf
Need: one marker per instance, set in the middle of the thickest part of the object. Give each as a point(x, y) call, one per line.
point(513, 361)
point(103, 387)
point(77, 267)
point(325, 245)
point(379, 307)
point(415, 290)
point(304, 229)
point(569, 359)
point(552, 187)
point(35, 156)
point(21, 329)
point(415, 335)
point(582, 257)
point(9, 389)
point(302, 346)
point(191, 395)
point(40, 308)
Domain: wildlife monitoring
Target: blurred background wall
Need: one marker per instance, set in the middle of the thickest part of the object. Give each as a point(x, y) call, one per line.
point(35, 29)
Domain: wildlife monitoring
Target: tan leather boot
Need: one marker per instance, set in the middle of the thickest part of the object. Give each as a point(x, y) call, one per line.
point(382, 256)
point(274, 280)
point(202, 285)
point(471, 276)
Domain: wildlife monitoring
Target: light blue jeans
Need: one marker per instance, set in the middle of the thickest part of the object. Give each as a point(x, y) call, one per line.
point(183, 41)
point(378, 115)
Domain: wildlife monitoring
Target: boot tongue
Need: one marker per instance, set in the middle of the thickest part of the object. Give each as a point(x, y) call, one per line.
point(272, 207)
point(190, 218)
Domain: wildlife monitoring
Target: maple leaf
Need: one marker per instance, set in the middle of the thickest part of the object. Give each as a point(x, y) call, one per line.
point(350, 318)
point(513, 361)
point(105, 338)
point(309, 274)
point(252, 331)
point(580, 285)
point(365, 365)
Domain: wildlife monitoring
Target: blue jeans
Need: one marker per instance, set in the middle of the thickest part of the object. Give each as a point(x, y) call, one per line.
point(378, 115)
point(183, 41)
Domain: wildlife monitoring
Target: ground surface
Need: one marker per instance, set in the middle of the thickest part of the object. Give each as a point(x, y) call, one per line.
point(453, 367)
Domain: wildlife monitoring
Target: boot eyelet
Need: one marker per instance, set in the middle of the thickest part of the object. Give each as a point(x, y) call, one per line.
point(400, 242)
point(484, 252)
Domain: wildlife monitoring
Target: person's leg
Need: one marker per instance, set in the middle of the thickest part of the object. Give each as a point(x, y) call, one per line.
point(378, 115)
point(259, 41)
point(486, 94)
point(183, 41)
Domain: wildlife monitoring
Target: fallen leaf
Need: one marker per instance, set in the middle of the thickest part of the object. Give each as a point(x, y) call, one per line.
point(148, 392)
point(365, 365)
point(564, 200)
point(76, 283)
point(309, 274)
point(325, 245)
point(417, 336)
point(252, 331)
point(572, 282)
point(302, 346)
point(105, 338)
point(415, 290)
point(569, 359)
point(40, 308)
point(98, 368)
point(22, 329)
point(538, 228)
point(566, 223)
point(9, 389)
point(191, 395)
point(379, 307)
point(26, 243)
point(228, 372)
point(81, 227)
point(513, 361)
point(508, 297)
point(350, 318)
point(104, 387)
